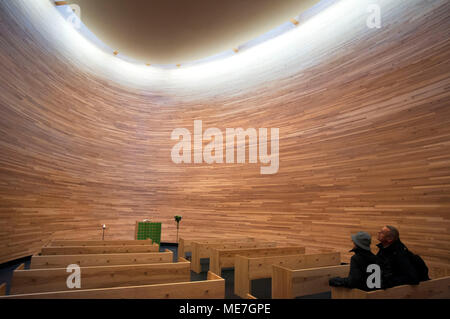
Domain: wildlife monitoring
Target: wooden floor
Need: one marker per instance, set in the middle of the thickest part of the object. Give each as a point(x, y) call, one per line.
point(364, 119)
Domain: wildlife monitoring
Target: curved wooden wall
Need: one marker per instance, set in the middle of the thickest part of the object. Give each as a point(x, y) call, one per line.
point(364, 140)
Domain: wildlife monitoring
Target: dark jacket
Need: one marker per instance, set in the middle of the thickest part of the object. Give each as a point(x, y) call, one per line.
point(396, 265)
point(357, 277)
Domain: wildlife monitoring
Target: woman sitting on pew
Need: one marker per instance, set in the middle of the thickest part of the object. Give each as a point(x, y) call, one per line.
point(362, 258)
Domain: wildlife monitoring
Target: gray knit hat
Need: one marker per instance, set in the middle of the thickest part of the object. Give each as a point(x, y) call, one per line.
point(362, 240)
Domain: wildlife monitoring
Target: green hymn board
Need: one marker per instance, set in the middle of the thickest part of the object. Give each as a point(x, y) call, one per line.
point(148, 230)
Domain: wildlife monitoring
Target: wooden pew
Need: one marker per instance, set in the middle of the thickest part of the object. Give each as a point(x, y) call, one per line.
point(62, 261)
point(432, 289)
point(203, 250)
point(212, 288)
point(64, 243)
point(223, 258)
point(290, 283)
point(83, 250)
point(47, 280)
point(3, 289)
point(247, 269)
point(185, 245)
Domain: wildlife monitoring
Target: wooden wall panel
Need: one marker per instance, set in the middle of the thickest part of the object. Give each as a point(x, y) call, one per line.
point(364, 141)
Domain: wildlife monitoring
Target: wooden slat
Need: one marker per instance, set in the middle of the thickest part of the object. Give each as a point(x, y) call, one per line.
point(212, 288)
point(64, 243)
point(82, 250)
point(62, 261)
point(432, 289)
point(46, 280)
point(223, 258)
point(250, 268)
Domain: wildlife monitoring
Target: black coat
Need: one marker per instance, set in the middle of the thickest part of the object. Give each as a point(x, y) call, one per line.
point(357, 277)
point(397, 268)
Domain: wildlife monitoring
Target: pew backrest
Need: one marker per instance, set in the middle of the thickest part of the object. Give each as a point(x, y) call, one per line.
point(64, 243)
point(204, 250)
point(432, 289)
point(291, 283)
point(223, 258)
point(251, 268)
point(185, 245)
point(90, 260)
point(46, 280)
point(212, 288)
point(84, 250)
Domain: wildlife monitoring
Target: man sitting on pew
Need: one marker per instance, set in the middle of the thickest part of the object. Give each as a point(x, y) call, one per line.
point(362, 258)
point(397, 262)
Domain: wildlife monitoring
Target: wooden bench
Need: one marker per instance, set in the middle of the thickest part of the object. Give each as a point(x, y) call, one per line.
point(84, 250)
point(62, 261)
point(432, 289)
point(290, 283)
point(185, 245)
point(247, 269)
point(47, 280)
point(212, 288)
point(203, 250)
point(64, 243)
point(224, 258)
